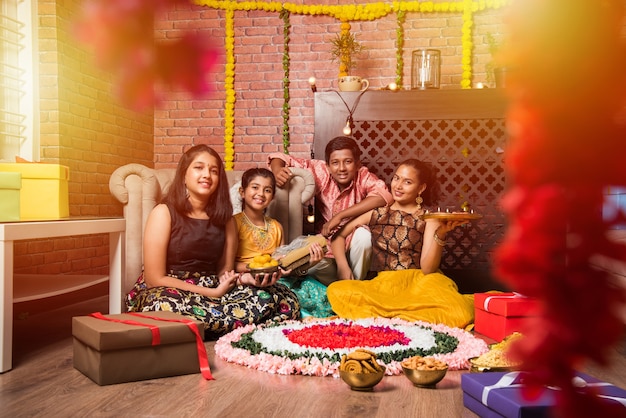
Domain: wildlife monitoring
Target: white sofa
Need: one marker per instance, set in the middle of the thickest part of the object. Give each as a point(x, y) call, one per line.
point(140, 188)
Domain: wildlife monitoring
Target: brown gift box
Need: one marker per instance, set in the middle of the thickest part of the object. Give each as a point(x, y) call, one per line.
point(111, 352)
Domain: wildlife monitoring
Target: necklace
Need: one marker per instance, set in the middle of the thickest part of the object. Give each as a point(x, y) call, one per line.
point(263, 228)
point(411, 210)
point(259, 239)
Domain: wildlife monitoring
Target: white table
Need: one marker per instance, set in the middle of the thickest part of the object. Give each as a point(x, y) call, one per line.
point(41, 286)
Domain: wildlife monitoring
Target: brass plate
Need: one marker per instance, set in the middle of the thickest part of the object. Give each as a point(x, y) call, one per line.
point(452, 216)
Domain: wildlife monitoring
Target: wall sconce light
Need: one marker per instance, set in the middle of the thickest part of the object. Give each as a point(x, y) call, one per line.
point(310, 218)
point(347, 130)
point(391, 86)
point(312, 84)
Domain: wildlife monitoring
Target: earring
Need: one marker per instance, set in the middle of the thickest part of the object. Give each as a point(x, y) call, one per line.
point(419, 201)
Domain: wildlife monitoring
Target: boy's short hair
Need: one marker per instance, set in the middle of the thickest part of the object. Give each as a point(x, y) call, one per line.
point(343, 142)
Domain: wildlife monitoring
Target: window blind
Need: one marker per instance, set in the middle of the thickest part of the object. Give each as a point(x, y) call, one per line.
point(12, 85)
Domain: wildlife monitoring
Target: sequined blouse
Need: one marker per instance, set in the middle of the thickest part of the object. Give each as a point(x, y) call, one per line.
point(397, 239)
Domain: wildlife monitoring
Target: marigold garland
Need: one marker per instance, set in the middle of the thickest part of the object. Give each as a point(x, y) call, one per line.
point(466, 41)
point(400, 48)
point(120, 34)
point(229, 86)
point(343, 65)
point(346, 13)
point(284, 14)
point(345, 46)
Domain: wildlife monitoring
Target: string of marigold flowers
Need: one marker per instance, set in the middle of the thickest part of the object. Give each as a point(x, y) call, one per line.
point(284, 14)
point(344, 13)
point(399, 48)
point(229, 86)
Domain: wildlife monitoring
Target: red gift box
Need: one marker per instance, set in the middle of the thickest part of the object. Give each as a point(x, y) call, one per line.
point(500, 314)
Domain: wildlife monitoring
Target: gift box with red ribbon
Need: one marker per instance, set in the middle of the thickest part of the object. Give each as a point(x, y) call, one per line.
point(498, 314)
point(128, 347)
point(500, 395)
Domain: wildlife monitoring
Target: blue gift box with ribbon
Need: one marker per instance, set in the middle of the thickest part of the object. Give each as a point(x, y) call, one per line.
point(500, 395)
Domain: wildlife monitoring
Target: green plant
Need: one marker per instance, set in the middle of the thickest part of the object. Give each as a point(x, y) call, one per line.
point(493, 43)
point(345, 47)
point(494, 49)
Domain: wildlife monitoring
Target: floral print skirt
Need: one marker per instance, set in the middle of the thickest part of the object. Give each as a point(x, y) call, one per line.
point(243, 305)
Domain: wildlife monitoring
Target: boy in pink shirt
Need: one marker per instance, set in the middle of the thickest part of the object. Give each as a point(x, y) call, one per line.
point(344, 189)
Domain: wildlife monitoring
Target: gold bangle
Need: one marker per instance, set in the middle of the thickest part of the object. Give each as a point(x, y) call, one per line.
point(438, 240)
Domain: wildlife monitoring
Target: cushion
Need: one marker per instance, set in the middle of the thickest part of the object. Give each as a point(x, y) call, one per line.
point(235, 197)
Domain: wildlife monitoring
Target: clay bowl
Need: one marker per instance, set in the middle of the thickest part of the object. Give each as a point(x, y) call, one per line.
point(424, 378)
point(362, 381)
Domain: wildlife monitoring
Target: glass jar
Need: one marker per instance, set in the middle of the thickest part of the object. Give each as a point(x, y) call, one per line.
point(426, 69)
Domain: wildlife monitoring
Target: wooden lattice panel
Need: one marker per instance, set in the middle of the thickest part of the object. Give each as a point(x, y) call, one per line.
point(469, 161)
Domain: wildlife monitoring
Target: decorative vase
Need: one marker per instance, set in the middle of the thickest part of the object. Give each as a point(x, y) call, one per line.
point(426, 69)
point(499, 74)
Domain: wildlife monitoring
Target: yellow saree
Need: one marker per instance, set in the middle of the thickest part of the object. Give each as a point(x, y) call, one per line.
point(406, 294)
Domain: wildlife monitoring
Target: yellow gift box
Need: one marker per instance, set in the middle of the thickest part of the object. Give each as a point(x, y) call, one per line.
point(10, 185)
point(44, 193)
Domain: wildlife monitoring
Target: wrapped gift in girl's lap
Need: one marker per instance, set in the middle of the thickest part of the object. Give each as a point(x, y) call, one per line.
point(138, 346)
point(498, 314)
point(295, 255)
point(500, 395)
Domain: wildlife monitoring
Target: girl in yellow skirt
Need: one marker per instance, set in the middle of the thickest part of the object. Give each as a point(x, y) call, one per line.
point(405, 261)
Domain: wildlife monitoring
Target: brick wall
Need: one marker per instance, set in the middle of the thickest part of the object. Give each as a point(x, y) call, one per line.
point(259, 72)
point(83, 127)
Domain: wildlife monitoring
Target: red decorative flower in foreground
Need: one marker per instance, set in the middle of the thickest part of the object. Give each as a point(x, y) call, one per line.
point(565, 150)
point(121, 33)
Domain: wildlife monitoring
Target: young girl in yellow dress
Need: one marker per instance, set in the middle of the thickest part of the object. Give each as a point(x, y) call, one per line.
point(406, 252)
point(259, 234)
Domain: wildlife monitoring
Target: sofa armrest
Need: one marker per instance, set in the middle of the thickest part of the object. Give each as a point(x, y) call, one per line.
point(137, 188)
point(288, 202)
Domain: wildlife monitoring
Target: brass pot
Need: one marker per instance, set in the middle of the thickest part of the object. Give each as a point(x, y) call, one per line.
point(362, 381)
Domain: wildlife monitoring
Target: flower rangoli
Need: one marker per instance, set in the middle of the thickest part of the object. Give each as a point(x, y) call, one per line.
point(315, 347)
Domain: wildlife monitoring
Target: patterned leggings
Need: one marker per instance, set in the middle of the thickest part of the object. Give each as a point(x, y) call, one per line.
point(241, 306)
